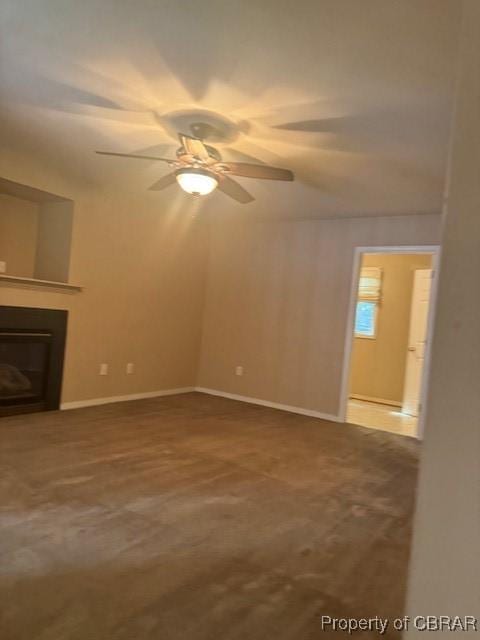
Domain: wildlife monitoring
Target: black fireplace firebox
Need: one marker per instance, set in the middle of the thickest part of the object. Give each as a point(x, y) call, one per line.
point(32, 345)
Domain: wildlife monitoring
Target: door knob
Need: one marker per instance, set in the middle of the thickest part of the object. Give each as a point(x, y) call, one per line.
point(412, 348)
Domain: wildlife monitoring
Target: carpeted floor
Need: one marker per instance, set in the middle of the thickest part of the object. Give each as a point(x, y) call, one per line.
point(198, 518)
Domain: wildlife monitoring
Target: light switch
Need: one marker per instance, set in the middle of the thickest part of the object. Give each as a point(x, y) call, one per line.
point(3, 266)
point(239, 371)
point(103, 371)
point(130, 367)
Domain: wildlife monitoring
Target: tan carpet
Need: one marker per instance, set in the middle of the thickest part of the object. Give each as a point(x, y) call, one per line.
point(194, 517)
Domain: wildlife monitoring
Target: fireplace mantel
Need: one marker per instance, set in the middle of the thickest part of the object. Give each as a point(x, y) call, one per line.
point(34, 283)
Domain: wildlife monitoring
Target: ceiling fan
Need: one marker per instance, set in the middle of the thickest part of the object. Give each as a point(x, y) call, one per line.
point(199, 169)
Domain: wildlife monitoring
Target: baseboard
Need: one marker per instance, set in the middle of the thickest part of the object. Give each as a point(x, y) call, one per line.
point(271, 405)
point(92, 402)
point(392, 403)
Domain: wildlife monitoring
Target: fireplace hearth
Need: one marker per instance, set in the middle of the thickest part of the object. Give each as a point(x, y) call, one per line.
point(32, 345)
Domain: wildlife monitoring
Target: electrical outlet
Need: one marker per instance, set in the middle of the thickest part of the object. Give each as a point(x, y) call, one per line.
point(130, 367)
point(239, 371)
point(3, 266)
point(103, 370)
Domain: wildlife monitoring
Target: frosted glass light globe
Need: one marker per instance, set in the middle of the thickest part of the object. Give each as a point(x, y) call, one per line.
point(196, 181)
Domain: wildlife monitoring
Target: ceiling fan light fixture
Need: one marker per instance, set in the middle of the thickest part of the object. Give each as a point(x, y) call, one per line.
point(197, 182)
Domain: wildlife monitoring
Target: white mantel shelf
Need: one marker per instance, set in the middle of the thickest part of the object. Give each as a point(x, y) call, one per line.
point(44, 284)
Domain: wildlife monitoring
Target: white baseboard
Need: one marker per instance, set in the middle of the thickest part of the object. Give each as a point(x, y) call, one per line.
point(92, 402)
point(78, 404)
point(392, 403)
point(273, 405)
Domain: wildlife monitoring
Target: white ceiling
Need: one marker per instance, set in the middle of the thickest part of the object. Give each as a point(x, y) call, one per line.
point(353, 96)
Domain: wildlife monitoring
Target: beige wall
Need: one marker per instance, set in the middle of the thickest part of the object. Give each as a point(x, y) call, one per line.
point(277, 303)
point(445, 565)
point(54, 238)
point(141, 262)
point(277, 294)
point(18, 234)
point(378, 365)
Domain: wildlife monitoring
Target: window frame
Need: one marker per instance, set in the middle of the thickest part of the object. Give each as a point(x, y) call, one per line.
point(369, 295)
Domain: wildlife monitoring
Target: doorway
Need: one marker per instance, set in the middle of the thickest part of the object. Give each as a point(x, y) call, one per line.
point(387, 346)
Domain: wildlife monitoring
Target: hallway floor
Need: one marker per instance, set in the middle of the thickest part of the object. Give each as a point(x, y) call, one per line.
point(381, 416)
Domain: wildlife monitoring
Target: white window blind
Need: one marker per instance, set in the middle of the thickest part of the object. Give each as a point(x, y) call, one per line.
point(370, 284)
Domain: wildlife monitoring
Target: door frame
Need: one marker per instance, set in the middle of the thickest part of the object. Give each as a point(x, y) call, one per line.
point(434, 250)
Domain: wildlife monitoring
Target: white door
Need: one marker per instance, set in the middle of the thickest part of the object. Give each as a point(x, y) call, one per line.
point(417, 339)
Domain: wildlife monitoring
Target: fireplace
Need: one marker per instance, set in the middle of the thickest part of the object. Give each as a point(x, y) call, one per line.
point(32, 344)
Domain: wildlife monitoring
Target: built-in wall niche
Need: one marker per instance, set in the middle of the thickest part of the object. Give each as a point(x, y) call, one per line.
point(35, 233)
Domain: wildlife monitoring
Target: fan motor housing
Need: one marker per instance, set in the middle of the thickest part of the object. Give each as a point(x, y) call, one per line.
point(212, 152)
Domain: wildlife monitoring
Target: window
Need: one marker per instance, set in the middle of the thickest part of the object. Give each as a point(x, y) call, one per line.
point(369, 295)
point(366, 319)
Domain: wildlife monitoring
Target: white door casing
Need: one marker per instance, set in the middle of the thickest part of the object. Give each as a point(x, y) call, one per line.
point(417, 339)
point(434, 251)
